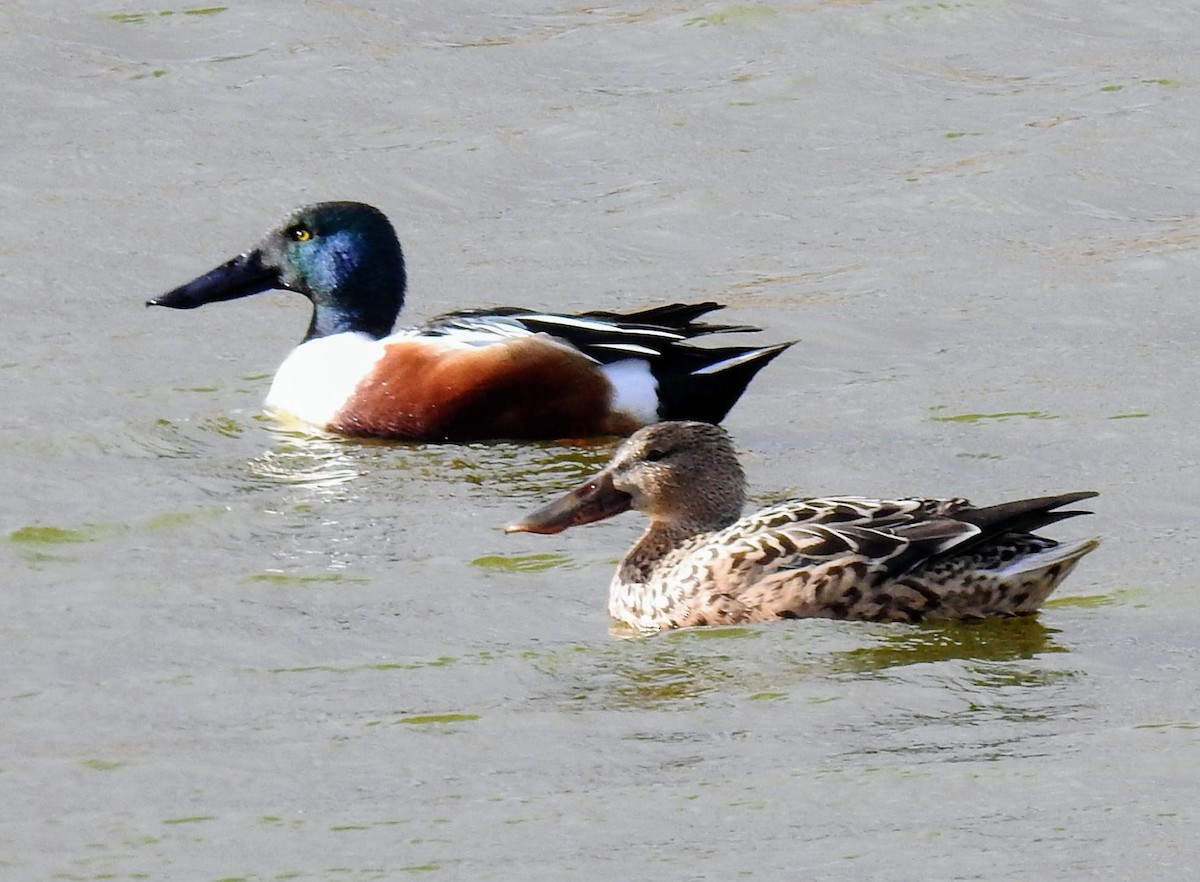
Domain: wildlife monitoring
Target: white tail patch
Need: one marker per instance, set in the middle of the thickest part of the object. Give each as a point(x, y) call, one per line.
point(1042, 560)
point(607, 327)
point(630, 348)
point(719, 366)
point(635, 391)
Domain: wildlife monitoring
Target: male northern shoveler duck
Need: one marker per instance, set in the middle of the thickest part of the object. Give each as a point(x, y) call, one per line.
point(503, 373)
point(701, 563)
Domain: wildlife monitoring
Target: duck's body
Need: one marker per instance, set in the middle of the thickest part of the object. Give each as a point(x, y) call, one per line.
point(701, 563)
point(503, 373)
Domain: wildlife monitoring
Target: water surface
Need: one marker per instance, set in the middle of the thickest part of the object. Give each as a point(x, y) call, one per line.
point(234, 652)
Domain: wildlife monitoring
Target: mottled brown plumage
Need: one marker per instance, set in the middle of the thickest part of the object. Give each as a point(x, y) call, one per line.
point(701, 563)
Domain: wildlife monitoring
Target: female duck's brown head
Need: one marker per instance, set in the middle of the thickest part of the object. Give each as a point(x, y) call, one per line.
point(682, 474)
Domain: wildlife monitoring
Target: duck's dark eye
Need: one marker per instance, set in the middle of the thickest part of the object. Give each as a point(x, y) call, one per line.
point(654, 454)
point(299, 233)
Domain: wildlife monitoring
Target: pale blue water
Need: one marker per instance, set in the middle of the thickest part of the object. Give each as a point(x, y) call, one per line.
point(234, 653)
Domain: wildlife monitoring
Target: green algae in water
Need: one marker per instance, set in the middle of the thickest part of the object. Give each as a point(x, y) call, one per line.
point(822, 699)
point(920, 10)
point(277, 578)
point(727, 633)
point(143, 17)
point(32, 536)
point(1087, 601)
point(998, 639)
point(224, 426)
point(193, 819)
point(1091, 601)
point(172, 519)
point(48, 536)
point(440, 662)
point(733, 15)
point(520, 563)
point(1135, 415)
point(100, 765)
point(437, 719)
point(1002, 415)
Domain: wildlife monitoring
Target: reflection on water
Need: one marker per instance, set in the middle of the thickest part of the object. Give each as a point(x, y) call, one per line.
point(318, 462)
point(998, 639)
point(348, 503)
point(520, 471)
point(956, 692)
point(167, 440)
point(991, 701)
point(678, 668)
point(675, 674)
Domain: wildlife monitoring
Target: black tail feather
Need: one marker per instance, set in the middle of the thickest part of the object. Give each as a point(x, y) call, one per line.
point(1019, 517)
point(681, 317)
point(686, 392)
point(1024, 515)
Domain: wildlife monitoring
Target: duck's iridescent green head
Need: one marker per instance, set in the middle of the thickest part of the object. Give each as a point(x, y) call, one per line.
point(343, 256)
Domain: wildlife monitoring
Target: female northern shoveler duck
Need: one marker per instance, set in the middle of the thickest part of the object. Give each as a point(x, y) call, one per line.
point(702, 563)
point(504, 373)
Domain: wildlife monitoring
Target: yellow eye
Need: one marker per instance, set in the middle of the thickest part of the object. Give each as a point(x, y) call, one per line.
point(300, 234)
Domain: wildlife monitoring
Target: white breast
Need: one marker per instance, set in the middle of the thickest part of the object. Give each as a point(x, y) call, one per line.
point(318, 377)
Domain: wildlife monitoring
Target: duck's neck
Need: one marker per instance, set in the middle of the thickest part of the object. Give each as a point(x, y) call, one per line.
point(363, 296)
point(328, 320)
point(659, 540)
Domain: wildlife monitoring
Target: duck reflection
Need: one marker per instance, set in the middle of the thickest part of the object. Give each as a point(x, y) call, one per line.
point(325, 463)
point(990, 640)
point(680, 668)
point(321, 463)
